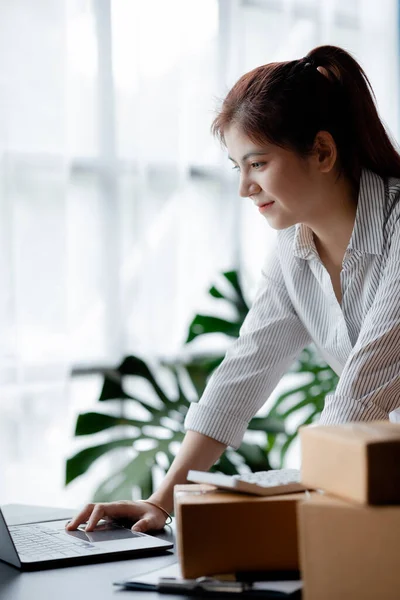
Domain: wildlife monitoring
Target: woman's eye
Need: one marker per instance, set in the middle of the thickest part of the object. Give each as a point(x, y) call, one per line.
point(254, 165)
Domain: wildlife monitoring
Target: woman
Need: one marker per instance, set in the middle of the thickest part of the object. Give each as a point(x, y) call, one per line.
point(314, 157)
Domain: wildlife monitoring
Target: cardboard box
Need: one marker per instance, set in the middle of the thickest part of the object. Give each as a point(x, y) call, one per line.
point(355, 461)
point(349, 551)
point(223, 532)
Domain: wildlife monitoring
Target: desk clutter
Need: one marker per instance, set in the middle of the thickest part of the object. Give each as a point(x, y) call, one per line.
point(169, 580)
point(344, 537)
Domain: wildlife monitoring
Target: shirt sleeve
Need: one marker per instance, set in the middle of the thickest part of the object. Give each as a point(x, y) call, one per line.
point(271, 337)
point(369, 387)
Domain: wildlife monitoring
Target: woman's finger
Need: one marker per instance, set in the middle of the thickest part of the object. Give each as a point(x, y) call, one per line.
point(98, 513)
point(142, 525)
point(81, 517)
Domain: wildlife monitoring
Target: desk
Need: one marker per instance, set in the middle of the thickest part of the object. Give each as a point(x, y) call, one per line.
point(85, 582)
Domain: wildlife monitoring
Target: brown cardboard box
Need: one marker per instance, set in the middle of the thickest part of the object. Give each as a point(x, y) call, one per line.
point(223, 532)
point(356, 461)
point(349, 551)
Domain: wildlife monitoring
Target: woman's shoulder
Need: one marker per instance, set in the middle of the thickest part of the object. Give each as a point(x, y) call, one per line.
point(393, 190)
point(378, 211)
point(392, 204)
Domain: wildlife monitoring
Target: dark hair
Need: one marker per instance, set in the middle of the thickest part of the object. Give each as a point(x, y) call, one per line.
point(288, 103)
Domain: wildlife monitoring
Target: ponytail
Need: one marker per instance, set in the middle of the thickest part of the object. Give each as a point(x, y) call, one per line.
point(288, 103)
point(374, 148)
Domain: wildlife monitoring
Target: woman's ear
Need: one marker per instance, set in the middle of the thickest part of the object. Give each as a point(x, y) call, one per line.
point(325, 151)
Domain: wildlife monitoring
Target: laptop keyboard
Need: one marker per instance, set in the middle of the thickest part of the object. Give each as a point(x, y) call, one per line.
point(38, 542)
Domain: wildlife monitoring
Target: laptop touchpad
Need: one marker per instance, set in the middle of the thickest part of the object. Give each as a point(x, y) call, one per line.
point(104, 533)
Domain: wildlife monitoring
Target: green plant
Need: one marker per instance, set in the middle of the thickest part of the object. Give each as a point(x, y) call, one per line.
point(306, 399)
point(167, 413)
point(207, 324)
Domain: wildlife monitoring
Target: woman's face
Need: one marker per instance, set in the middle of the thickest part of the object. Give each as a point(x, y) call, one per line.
point(285, 187)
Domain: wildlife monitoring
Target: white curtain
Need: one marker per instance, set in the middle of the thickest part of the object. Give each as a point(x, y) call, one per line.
point(33, 236)
point(114, 219)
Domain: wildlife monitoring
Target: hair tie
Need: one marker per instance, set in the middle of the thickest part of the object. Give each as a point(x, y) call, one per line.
point(308, 62)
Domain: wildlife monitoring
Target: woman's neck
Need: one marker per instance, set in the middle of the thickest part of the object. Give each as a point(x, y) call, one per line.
point(333, 229)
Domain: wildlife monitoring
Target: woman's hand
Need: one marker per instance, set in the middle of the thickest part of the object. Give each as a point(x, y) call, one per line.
point(197, 451)
point(147, 517)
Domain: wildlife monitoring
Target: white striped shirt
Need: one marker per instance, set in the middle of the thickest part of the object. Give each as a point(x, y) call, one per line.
point(295, 305)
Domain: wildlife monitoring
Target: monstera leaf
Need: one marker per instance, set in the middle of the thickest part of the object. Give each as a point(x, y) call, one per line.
point(205, 324)
point(161, 425)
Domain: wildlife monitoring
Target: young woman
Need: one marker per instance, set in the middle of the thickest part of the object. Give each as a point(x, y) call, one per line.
point(315, 159)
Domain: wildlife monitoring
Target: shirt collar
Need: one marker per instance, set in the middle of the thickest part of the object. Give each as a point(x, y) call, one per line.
point(303, 246)
point(367, 236)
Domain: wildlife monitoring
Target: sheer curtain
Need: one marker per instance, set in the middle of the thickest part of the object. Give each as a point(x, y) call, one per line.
point(34, 169)
point(117, 207)
point(115, 219)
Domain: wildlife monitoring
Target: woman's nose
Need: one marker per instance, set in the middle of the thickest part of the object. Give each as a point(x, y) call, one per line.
point(248, 188)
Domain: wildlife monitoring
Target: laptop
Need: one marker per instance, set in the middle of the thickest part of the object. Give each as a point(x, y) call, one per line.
point(47, 544)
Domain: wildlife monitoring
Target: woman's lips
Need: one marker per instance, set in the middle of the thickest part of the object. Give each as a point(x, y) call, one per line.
point(265, 207)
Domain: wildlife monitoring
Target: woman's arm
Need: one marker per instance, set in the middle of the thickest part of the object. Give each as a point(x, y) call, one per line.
point(197, 452)
point(271, 338)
